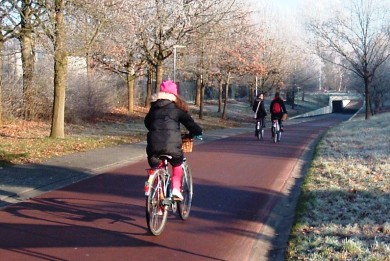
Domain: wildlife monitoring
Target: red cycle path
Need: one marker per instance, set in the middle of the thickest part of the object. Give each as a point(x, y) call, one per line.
point(237, 182)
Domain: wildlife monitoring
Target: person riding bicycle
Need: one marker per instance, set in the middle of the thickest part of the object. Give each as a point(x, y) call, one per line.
point(163, 121)
point(277, 109)
point(259, 109)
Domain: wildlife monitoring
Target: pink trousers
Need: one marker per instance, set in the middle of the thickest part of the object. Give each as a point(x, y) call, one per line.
point(177, 173)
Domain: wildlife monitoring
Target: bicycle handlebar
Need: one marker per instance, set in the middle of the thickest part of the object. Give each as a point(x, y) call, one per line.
point(190, 136)
point(199, 137)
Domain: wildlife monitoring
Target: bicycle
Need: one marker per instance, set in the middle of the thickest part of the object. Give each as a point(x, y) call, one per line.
point(158, 193)
point(276, 132)
point(259, 129)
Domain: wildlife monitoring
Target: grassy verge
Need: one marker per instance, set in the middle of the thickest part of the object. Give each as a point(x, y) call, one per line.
point(24, 142)
point(343, 210)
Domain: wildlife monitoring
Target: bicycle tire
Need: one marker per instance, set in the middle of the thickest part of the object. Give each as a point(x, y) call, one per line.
point(274, 134)
point(279, 136)
point(261, 133)
point(156, 221)
point(187, 191)
point(257, 131)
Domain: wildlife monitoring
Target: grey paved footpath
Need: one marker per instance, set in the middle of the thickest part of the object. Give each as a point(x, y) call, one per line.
point(21, 182)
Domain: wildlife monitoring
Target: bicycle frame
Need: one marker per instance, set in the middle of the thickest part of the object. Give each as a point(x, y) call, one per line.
point(259, 129)
point(276, 133)
point(159, 198)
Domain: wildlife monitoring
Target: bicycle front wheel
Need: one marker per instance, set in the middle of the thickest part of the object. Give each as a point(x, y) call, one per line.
point(156, 212)
point(187, 191)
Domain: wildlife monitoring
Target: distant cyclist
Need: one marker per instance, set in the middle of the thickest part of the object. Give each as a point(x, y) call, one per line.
point(259, 109)
point(163, 121)
point(277, 109)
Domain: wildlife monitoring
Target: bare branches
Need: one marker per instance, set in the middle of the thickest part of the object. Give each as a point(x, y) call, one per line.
point(358, 34)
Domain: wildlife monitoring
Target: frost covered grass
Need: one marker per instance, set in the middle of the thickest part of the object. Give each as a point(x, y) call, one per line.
point(343, 212)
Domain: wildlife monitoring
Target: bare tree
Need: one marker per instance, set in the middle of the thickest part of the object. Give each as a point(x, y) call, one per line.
point(9, 25)
point(25, 37)
point(166, 24)
point(117, 48)
point(29, 12)
point(236, 53)
point(60, 70)
point(62, 18)
point(23, 17)
point(380, 88)
point(359, 34)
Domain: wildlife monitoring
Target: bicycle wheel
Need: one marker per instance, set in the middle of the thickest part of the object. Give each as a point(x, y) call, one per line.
point(156, 212)
point(187, 191)
point(279, 135)
point(261, 134)
point(274, 134)
point(257, 132)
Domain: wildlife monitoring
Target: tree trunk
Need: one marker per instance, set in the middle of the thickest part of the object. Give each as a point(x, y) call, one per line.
point(251, 94)
point(90, 71)
point(159, 74)
point(293, 98)
point(130, 90)
point(198, 90)
point(60, 73)
point(224, 113)
point(149, 87)
point(220, 91)
point(367, 93)
point(1, 79)
point(201, 100)
point(28, 61)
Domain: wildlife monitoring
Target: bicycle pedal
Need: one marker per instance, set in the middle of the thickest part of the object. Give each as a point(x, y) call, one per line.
point(160, 212)
point(174, 207)
point(167, 202)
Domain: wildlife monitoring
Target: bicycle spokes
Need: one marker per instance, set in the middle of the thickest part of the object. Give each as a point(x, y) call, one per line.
point(187, 191)
point(156, 211)
point(159, 199)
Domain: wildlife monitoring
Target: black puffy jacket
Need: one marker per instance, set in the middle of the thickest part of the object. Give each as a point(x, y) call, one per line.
point(261, 111)
point(163, 123)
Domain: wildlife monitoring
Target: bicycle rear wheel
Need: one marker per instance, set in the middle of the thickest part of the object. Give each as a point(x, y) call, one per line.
point(274, 134)
point(279, 135)
point(257, 132)
point(187, 191)
point(156, 212)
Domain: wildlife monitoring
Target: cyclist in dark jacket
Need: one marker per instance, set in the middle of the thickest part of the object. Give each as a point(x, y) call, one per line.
point(261, 112)
point(280, 109)
point(163, 121)
point(259, 109)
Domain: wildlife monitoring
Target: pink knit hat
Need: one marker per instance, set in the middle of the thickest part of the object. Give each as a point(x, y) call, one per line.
point(168, 86)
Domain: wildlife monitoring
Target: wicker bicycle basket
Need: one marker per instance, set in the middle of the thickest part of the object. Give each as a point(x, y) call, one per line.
point(188, 143)
point(284, 117)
